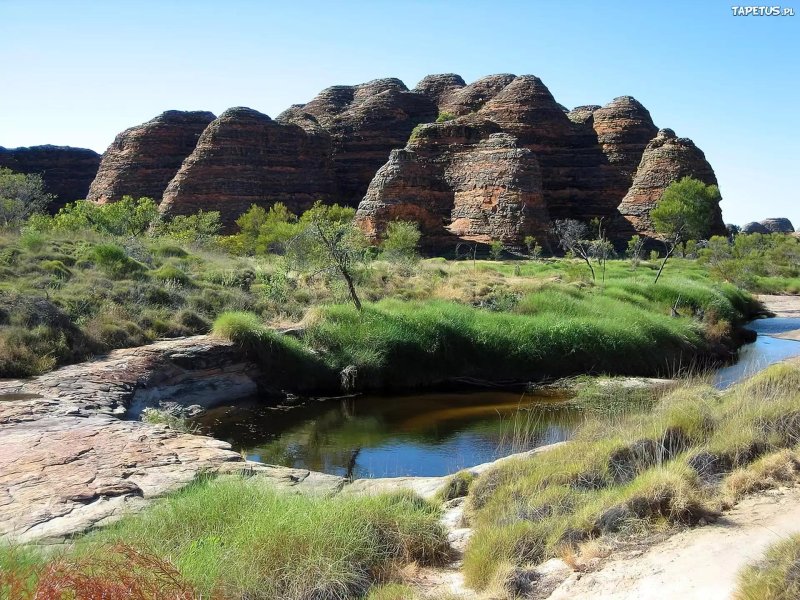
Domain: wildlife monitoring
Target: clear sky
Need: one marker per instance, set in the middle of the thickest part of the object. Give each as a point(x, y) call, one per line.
point(76, 73)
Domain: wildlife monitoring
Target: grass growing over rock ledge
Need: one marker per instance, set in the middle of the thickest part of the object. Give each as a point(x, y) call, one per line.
point(694, 454)
point(555, 331)
point(236, 538)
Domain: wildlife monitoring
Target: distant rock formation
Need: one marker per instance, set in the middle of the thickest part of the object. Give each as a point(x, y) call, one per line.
point(143, 159)
point(243, 157)
point(774, 225)
point(67, 172)
point(505, 160)
point(365, 123)
point(459, 182)
point(666, 159)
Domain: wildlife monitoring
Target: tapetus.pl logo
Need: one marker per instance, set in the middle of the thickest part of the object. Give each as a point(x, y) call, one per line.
point(762, 11)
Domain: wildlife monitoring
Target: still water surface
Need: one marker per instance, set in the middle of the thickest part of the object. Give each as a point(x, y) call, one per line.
point(375, 436)
point(430, 434)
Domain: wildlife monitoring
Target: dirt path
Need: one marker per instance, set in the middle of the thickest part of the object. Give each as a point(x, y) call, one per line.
point(698, 563)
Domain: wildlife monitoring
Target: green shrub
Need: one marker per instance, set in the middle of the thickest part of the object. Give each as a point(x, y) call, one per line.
point(172, 273)
point(113, 259)
point(239, 538)
point(56, 268)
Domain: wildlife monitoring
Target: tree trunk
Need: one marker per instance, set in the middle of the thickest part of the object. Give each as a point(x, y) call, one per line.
point(670, 250)
point(352, 288)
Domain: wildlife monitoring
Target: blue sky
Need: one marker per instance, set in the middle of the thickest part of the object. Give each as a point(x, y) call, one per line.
point(77, 73)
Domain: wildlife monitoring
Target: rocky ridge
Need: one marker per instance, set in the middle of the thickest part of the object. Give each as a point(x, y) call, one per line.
point(143, 159)
point(67, 172)
point(608, 162)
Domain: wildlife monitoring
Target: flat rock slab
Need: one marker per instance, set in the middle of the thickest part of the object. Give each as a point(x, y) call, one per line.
point(61, 475)
point(781, 306)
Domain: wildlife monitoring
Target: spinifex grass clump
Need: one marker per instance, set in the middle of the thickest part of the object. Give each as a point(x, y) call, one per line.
point(694, 453)
point(775, 576)
point(238, 538)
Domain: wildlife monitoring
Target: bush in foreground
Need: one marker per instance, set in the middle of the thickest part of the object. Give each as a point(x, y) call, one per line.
point(238, 538)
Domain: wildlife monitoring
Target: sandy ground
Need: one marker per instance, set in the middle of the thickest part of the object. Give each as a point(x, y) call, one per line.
point(782, 306)
point(697, 563)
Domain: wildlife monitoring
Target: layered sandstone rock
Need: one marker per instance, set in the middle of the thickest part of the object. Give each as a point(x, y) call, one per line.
point(67, 172)
point(624, 128)
point(365, 122)
point(439, 87)
point(143, 159)
point(459, 181)
point(767, 226)
point(666, 159)
point(243, 157)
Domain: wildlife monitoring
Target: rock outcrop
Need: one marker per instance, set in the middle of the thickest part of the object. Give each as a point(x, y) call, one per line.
point(365, 123)
point(143, 159)
point(607, 162)
point(666, 159)
point(624, 128)
point(586, 158)
point(778, 225)
point(755, 227)
point(67, 172)
point(244, 157)
point(459, 182)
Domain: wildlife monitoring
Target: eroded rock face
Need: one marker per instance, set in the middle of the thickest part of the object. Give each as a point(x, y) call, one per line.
point(666, 159)
point(365, 123)
point(243, 157)
point(778, 225)
point(67, 172)
point(143, 159)
point(624, 128)
point(459, 181)
point(439, 87)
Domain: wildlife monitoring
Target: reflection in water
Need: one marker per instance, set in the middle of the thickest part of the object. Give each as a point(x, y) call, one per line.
point(373, 436)
point(430, 434)
point(765, 351)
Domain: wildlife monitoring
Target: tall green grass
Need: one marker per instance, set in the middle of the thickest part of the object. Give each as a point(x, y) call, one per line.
point(694, 453)
point(238, 538)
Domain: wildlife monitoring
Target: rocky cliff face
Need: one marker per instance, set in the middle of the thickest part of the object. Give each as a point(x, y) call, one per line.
point(143, 159)
point(67, 172)
point(666, 159)
point(508, 160)
point(459, 182)
point(365, 123)
point(587, 158)
point(243, 157)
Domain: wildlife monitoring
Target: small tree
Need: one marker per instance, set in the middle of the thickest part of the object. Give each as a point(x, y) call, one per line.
point(21, 196)
point(263, 231)
point(635, 250)
point(534, 249)
point(401, 243)
point(684, 212)
point(329, 242)
point(496, 250)
point(572, 237)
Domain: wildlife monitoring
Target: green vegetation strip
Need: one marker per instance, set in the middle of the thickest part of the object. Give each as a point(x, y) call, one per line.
point(695, 453)
point(559, 330)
